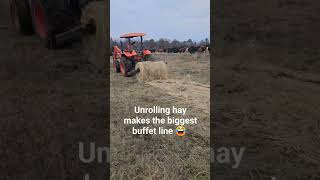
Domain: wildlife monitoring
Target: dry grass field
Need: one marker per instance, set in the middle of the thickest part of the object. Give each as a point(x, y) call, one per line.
point(162, 156)
point(50, 101)
point(270, 110)
point(266, 87)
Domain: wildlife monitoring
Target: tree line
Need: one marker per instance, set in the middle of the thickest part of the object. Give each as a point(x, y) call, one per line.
point(162, 43)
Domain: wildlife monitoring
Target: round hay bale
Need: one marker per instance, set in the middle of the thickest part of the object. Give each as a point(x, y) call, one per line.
point(150, 70)
point(94, 41)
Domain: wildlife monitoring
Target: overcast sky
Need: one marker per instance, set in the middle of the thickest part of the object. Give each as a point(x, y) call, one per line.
point(172, 19)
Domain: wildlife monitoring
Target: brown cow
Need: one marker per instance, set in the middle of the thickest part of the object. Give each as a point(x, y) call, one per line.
point(202, 49)
point(160, 50)
point(184, 50)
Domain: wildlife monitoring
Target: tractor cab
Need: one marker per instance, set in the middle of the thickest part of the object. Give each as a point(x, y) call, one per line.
point(130, 53)
point(133, 47)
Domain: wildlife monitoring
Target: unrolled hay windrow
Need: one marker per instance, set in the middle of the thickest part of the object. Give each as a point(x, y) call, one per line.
point(150, 70)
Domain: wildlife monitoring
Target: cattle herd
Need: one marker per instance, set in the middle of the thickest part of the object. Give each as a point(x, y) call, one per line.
point(201, 49)
point(190, 50)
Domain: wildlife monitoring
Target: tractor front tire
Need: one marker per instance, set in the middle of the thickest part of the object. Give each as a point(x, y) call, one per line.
point(94, 41)
point(20, 16)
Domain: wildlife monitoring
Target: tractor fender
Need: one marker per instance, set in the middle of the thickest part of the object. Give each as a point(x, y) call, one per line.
point(146, 52)
point(130, 54)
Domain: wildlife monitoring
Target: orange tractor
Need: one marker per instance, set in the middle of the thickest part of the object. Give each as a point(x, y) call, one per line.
point(58, 22)
point(125, 60)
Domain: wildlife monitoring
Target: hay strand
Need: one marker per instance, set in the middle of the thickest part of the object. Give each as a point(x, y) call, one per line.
point(152, 70)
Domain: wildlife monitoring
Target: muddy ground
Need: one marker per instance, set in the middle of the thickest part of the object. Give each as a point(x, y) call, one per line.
point(162, 156)
point(266, 87)
point(50, 101)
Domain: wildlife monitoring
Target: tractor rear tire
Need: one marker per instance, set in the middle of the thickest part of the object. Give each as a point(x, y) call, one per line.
point(125, 66)
point(116, 66)
point(94, 41)
point(20, 17)
point(41, 23)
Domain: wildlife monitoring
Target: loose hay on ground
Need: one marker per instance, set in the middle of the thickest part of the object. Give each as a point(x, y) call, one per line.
point(192, 93)
point(152, 70)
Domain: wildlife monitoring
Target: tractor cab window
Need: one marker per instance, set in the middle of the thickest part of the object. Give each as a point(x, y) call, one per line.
point(134, 44)
point(129, 47)
point(126, 45)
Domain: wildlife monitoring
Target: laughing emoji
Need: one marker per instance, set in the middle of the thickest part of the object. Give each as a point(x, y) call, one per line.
point(180, 131)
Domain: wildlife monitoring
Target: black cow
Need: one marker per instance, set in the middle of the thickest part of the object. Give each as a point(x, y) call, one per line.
point(173, 50)
point(153, 50)
point(193, 49)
